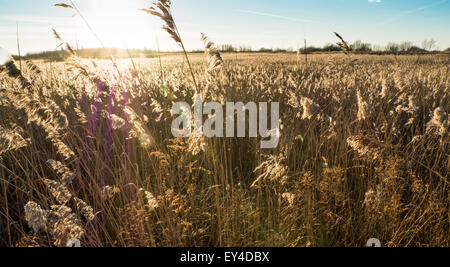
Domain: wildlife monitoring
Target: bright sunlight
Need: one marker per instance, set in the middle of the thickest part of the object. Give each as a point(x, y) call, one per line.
point(116, 23)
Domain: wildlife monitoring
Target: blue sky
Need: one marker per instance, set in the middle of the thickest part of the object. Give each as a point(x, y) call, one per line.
point(256, 23)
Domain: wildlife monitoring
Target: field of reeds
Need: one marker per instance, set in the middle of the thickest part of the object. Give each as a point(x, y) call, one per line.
point(87, 153)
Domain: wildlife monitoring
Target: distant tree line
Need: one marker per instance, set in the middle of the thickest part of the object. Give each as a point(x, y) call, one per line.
point(99, 53)
point(357, 47)
point(361, 47)
point(231, 48)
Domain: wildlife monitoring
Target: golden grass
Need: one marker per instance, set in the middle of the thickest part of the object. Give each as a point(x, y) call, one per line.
point(86, 152)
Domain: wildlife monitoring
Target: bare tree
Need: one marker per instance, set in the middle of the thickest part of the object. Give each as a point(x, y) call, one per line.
point(429, 44)
point(227, 48)
point(392, 47)
point(378, 48)
point(244, 48)
point(360, 46)
point(405, 46)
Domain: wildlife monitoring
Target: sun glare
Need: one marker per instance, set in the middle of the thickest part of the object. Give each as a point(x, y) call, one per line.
point(116, 22)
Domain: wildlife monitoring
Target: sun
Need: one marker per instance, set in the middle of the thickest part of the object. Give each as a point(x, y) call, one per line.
point(117, 23)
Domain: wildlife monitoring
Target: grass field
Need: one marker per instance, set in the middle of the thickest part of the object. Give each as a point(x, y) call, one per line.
point(86, 152)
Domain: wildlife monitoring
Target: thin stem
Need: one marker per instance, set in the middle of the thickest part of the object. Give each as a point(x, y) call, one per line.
point(189, 63)
point(160, 61)
point(190, 67)
point(18, 46)
point(306, 55)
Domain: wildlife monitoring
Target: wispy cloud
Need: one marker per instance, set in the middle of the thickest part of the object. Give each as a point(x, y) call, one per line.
point(39, 20)
point(409, 12)
point(285, 17)
point(24, 30)
point(374, 1)
point(275, 16)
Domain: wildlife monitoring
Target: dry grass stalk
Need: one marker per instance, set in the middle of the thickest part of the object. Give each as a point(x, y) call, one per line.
point(11, 140)
point(212, 54)
point(343, 44)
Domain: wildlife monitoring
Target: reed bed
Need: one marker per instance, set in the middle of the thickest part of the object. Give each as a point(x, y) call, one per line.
point(86, 152)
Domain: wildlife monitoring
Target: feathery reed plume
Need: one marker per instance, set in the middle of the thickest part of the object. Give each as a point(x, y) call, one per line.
point(11, 140)
point(47, 116)
point(35, 216)
point(309, 108)
point(108, 191)
point(66, 176)
point(439, 121)
point(117, 122)
point(64, 225)
point(365, 146)
point(362, 107)
point(75, 61)
point(273, 169)
point(384, 88)
point(82, 118)
point(35, 69)
point(69, 48)
point(14, 72)
point(59, 191)
point(197, 145)
point(289, 197)
point(399, 80)
point(63, 5)
point(59, 221)
point(373, 198)
point(157, 109)
point(212, 54)
point(150, 200)
point(412, 105)
point(85, 209)
point(343, 44)
point(57, 36)
point(161, 9)
point(138, 130)
point(294, 102)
